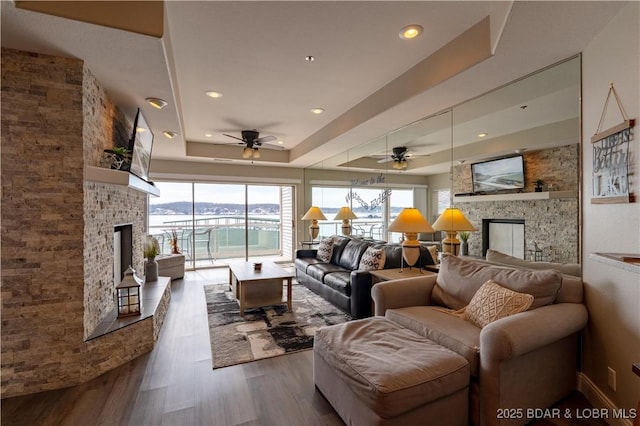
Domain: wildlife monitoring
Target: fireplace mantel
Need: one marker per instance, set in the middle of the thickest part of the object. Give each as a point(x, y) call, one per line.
point(118, 177)
point(551, 195)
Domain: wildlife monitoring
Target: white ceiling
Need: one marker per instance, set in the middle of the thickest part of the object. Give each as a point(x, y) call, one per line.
point(254, 53)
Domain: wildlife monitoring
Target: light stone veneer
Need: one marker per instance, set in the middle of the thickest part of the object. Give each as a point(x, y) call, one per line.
point(553, 224)
point(57, 229)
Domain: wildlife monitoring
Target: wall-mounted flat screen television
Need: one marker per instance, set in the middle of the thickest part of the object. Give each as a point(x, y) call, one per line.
point(140, 146)
point(498, 175)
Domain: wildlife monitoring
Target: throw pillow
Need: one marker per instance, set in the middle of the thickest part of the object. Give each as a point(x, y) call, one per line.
point(492, 302)
point(325, 249)
point(372, 259)
point(433, 251)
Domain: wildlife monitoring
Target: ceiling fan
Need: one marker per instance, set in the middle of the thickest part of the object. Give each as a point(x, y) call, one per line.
point(400, 156)
point(252, 141)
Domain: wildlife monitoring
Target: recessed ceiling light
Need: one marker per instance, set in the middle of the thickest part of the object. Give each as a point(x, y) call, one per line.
point(208, 135)
point(280, 142)
point(140, 129)
point(317, 110)
point(169, 134)
point(213, 94)
point(309, 58)
point(483, 135)
point(156, 102)
point(410, 31)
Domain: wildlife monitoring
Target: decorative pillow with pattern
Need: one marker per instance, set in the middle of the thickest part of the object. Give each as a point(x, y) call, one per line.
point(433, 251)
point(492, 302)
point(325, 249)
point(372, 259)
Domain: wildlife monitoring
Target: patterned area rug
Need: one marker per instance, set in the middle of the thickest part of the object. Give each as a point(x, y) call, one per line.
point(264, 332)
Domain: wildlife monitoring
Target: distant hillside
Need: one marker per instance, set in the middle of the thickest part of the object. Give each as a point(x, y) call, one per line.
point(184, 208)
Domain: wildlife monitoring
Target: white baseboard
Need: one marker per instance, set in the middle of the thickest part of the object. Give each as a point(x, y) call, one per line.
point(599, 400)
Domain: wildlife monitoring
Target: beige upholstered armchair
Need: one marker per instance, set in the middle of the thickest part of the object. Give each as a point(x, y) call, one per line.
point(523, 361)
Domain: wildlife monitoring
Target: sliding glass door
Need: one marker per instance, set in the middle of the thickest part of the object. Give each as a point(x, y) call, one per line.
point(218, 223)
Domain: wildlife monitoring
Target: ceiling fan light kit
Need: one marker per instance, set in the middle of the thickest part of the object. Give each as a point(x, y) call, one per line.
point(252, 142)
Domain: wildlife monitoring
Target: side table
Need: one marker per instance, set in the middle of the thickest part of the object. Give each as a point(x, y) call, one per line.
point(382, 275)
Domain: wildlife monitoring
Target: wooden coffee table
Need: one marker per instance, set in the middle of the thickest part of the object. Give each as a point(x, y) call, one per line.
point(255, 289)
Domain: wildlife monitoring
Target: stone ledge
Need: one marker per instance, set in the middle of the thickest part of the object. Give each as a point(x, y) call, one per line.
point(155, 300)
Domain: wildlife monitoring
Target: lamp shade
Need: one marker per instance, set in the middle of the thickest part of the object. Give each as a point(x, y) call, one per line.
point(314, 213)
point(410, 220)
point(452, 219)
point(345, 213)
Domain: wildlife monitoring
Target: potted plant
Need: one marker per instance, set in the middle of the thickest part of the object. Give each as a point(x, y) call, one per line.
point(150, 250)
point(173, 242)
point(118, 157)
point(464, 245)
point(539, 183)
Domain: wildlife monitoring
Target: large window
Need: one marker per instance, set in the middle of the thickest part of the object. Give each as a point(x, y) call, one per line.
point(375, 208)
point(215, 223)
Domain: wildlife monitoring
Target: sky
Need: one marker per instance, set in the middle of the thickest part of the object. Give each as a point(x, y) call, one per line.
point(234, 193)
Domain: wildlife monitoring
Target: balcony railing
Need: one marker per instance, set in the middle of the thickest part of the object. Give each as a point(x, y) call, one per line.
point(221, 237)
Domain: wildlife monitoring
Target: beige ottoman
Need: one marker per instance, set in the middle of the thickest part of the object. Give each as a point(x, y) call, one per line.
point(171, 265)
point(375, 372)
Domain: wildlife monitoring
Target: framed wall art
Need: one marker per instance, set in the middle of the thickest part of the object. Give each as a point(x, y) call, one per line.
point(610, 176)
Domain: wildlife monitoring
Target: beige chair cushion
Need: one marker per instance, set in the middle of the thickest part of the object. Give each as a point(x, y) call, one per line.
point(446, 329)
point(492, 302)
point(460, 278)
point(502, 258)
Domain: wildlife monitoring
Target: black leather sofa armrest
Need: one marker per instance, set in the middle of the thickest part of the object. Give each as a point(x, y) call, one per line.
point(361, 294)
point(306, 253)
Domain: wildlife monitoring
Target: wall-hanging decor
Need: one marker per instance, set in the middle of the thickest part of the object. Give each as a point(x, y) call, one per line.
point(610, 176)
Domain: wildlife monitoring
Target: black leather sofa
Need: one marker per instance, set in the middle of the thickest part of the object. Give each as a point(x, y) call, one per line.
point(339, 281)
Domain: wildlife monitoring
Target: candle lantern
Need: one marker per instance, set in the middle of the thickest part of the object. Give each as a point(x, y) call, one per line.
point(128, 294)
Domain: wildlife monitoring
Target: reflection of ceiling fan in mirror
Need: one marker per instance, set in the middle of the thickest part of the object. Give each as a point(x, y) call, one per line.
point(400, 156)
point(252, 142)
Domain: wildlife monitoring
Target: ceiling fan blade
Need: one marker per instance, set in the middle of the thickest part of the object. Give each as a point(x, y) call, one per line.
point(272, 146)
point(385, 160)
point(234, 137)
point(266, 139)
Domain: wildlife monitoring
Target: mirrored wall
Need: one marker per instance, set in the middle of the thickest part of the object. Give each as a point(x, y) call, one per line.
point(536, 117)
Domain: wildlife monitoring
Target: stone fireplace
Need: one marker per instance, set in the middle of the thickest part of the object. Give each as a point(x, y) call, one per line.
point(58, 227)
point(550, 219)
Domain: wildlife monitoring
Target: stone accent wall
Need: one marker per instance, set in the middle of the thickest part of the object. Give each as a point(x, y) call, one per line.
point(105, 206)
point(556, 166)
point(553, 224)
point(57, 229)
point(42, 221)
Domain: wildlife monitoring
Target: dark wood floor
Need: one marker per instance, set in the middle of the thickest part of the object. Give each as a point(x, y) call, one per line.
point(175, 384)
